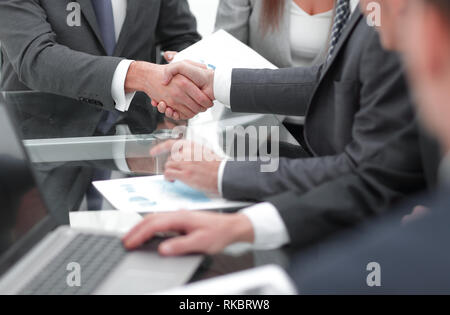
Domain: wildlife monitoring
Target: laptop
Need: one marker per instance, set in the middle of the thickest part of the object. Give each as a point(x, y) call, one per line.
point(40, 257)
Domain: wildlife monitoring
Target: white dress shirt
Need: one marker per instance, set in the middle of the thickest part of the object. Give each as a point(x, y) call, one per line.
point(269, 228)
point(122, 99)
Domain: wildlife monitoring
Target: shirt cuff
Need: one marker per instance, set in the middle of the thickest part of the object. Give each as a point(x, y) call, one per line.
point(222, 85)
point(220, 176)
point(122, 99)
point(269, 228)
point(119, 148)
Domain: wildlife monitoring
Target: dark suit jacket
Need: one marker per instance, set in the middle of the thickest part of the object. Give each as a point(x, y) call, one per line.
point(355, 106)
point(413, 259)
point(360, 129)
point(43, 53)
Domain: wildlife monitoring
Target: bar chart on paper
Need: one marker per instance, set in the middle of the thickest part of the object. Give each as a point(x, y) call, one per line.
point(154, 194)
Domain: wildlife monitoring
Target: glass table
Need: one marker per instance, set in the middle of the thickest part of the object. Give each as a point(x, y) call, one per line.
point(72, 143)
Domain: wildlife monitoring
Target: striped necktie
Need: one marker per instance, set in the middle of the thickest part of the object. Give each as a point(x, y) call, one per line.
point(340, 20)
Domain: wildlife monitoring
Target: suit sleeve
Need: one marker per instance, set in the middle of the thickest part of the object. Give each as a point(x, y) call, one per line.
point(233, 16)
point(43, 64)
point(370, 190)
point(281, 91)
point(177, 27)
point(385, 116)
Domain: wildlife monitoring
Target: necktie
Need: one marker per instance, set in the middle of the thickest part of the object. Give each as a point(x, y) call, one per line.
point(340, 20)
point(105, 18)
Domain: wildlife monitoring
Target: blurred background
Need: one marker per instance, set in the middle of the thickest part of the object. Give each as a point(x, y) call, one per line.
point(205, 12)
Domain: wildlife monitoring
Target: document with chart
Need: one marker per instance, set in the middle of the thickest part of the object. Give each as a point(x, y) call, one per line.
point(154, 194)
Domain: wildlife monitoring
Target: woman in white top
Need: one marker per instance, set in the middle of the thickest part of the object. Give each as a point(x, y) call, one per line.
point(289, 33)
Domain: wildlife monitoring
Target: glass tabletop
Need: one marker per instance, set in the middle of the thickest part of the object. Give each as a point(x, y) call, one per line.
point(72, 143)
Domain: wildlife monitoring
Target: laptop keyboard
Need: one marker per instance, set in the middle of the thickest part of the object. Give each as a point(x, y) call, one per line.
point(96, 255)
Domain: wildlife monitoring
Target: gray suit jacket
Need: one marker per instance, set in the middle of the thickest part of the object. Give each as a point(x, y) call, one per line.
point(43, 53)
point(241, 18)
point(360, 132)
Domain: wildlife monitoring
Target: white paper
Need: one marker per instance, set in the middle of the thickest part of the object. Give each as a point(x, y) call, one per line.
point(153, 194)
point(221, 49)
point(267, 280)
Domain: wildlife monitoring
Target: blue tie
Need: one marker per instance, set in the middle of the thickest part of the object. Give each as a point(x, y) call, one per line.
point(105, 18)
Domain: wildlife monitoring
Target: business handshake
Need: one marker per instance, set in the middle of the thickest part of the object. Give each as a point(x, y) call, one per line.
point(180, 90)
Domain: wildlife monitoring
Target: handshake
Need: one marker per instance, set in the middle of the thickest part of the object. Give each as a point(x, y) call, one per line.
point(179, 90)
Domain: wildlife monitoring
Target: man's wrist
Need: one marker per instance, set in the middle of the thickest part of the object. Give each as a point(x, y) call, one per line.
point(242, 229)
point(137, 76)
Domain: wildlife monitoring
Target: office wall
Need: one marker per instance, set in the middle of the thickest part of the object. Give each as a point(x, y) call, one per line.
point(205, 12)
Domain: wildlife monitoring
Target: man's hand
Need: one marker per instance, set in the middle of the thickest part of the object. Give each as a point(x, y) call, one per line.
point(181, 94)
point(191, 163)
point(199, 74)
point(201, 232)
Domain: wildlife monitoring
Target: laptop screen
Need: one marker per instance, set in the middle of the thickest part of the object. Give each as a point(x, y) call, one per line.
point(22, 210)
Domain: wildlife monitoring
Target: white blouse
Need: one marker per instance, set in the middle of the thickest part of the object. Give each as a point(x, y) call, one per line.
point(309, 35)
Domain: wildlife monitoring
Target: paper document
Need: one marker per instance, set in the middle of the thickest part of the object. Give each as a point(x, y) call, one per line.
point(221, 49)
point(267, 280)
point(155, 194)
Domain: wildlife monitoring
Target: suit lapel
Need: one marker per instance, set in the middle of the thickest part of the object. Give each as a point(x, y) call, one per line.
point(89, 14)
point(130, 20)
point(357, 15)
